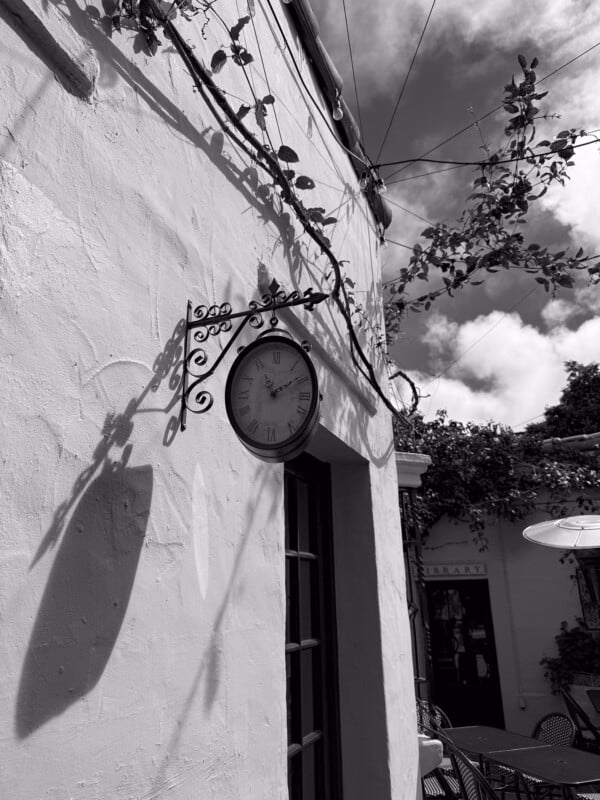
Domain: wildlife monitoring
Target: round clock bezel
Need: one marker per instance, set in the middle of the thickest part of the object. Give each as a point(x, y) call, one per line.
point(297, 442)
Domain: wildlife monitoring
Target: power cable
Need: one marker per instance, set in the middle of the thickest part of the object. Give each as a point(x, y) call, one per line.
point(420, 175)
point(406, 79)
point(525, 421)
point(484, 163)
point(408, 211)
point(353, 73)
point(309, 93)
point(262, 61)
point(399, 244)
point(495, 325)
point(497, 108)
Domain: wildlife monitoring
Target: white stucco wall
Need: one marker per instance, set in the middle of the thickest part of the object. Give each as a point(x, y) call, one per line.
point(151, 664)
point(531, 592)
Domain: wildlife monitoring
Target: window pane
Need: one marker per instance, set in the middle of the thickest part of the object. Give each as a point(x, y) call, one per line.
point(307, 663)
point(309, 599)
point(303, 516)
point(292, 633)
point(295, 777)
point(288, 603)
point(293, 697)
point(291, 537)
point(309, 776)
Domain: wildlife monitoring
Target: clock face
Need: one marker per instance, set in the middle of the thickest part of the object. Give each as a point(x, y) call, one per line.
point(272, 396)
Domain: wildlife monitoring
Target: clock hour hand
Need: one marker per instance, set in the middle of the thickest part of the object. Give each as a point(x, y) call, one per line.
point(269, 384)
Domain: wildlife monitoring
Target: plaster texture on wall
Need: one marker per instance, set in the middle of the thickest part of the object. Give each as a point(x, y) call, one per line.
point(531, 592)
point(142, 591)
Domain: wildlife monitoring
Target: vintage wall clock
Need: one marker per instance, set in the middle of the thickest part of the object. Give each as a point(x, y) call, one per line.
point(272, 397)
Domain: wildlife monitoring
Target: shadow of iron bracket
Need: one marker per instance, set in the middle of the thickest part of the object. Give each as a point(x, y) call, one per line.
point(204, 321)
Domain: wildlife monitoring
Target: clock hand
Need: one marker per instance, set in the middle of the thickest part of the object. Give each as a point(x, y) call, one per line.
point(284, 386)
point(269, 384)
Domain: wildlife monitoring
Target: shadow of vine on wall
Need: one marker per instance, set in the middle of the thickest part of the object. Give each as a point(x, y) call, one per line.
point(101, 527)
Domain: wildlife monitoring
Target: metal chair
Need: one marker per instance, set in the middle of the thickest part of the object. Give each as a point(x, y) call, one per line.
point(439, 785)
point(588, 736)
point(473, 784)
point(431, 716)
point(594, 698)
point(555, 728)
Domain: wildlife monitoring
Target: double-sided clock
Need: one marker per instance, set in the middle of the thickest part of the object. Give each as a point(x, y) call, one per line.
point(272, 397)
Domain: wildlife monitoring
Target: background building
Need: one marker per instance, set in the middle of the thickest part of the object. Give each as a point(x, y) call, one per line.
point(484, 618)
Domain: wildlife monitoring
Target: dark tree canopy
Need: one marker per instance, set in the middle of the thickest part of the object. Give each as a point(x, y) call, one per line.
point(482, 472)
point(578, 410)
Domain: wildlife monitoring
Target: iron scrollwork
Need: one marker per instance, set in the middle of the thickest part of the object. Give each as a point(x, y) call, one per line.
point(202, 322)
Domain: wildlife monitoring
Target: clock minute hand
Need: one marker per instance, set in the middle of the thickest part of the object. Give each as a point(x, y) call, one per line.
point(284, 386)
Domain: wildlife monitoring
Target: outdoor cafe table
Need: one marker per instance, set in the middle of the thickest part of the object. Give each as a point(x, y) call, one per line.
point(565, 767)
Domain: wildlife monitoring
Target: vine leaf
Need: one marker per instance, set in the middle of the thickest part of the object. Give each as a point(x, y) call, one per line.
point(250, 174)
point(240, 55)
point(242, 111)
point(268, 99)
point(264, 191)
point(316, 214)
point(289, 174)
point(218, 60)
point(329, 221)
point(286, 153)
point(260, 112)
point(235, 31)
point(304, 182)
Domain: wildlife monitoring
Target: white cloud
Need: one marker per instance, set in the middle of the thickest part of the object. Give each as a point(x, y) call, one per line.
point(556, 312)
point(586, 300)
point(520, 368)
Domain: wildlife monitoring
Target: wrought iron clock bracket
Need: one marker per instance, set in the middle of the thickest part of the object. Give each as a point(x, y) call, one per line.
point(205, 321)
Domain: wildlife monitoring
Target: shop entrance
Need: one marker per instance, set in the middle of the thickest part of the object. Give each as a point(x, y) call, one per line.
point(465, 681)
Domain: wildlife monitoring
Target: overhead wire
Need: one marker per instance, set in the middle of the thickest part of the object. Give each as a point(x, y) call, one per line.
point(421, 175)
point(364, 162)
point(487, 332)
point(407, 210)
point(406, 80)
point(496, 108)
point(360, 123)
point(484, 162)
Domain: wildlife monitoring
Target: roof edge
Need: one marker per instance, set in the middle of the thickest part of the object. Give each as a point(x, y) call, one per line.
point(330, 83)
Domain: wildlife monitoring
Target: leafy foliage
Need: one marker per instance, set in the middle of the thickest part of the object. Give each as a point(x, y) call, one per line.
point(578, 651)
point(578, 410)
point(483, 472)
point(486, 237)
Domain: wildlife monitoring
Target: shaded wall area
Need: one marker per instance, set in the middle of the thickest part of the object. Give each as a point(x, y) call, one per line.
point(86, 596)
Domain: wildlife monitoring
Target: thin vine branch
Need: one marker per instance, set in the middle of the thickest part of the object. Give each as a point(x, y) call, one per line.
point(268, 160)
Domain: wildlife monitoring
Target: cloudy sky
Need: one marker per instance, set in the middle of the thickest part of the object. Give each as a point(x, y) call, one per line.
point(497, 350)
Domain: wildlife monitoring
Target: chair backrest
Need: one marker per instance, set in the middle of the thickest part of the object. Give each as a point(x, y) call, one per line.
point(580, 718)
point(473, 784)
point(555, 728)
point(431, 716)
point(594, 697)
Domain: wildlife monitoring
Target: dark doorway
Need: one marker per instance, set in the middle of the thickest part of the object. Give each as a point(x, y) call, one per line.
point(311, 661)
point(465, 681)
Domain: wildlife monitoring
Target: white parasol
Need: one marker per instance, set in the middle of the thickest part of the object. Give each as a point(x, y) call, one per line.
point(570, 533)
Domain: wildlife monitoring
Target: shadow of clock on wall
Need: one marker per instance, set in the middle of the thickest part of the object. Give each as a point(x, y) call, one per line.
point(87, 594)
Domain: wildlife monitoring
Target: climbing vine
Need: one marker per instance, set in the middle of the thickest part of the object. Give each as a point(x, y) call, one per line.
point(284, 185)
point(484, 472)
point(486, 238)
